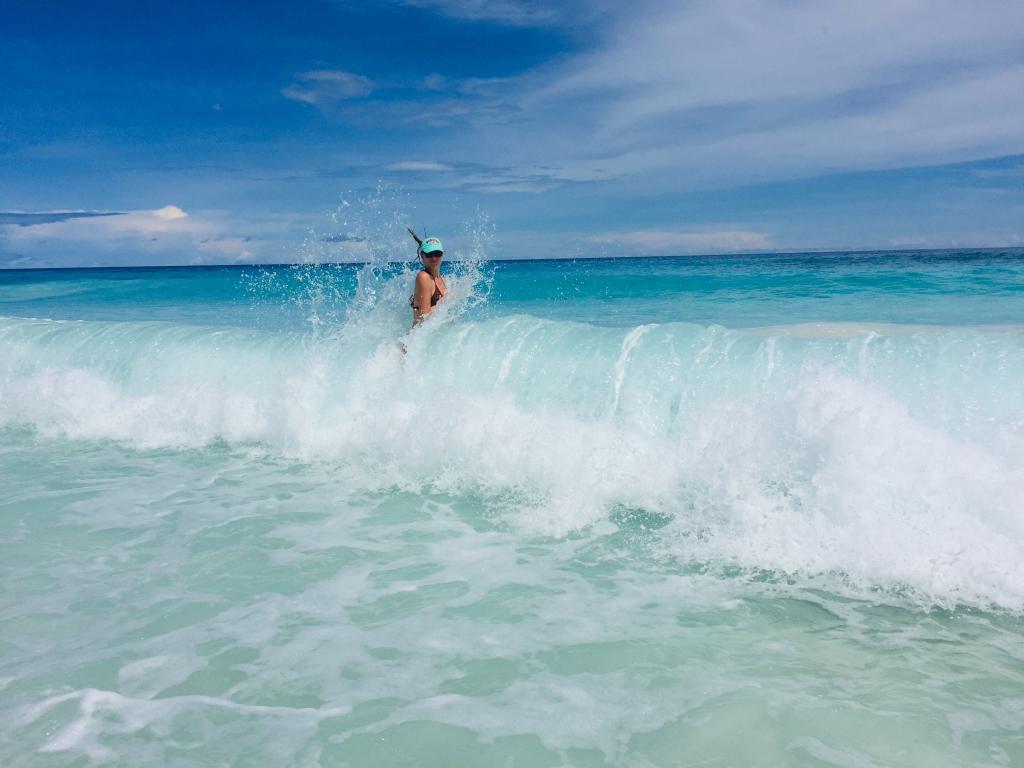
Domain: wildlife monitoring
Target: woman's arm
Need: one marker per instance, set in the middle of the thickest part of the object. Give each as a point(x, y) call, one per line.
point(424, 292)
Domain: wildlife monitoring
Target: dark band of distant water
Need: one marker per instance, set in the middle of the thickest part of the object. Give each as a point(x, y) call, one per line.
point(920, 287)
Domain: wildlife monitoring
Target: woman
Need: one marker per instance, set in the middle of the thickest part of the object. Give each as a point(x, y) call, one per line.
point(430, 287)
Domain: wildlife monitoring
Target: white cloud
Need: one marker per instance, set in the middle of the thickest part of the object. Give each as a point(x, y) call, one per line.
point(520, 187)
point(170, 219)
point(165, 230)
point(224, 248)
point(324, 87)
point(435, 81)
point(513, 12)
point(1005, 239)
point(32, 218)
point(418, 165)
point(170, 213)
point(689, 95)
point(912, 241)
point(653, 242)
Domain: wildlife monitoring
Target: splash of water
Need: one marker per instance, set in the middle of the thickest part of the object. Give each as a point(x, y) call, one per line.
point(356, 278)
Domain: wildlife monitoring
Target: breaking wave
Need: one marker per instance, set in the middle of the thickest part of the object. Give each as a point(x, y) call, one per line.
point(891, 456)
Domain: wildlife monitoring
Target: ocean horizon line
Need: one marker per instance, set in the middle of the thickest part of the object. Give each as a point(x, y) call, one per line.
point(1009, 249)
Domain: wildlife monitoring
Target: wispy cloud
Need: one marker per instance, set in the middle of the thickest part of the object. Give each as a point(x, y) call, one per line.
point(687, 95)
point(435, 81)
point(418, 165)
point(1007, 239)
point(467, 111)
point(168, 219)
point(325, 87)
point(168, 229)
point(531, 185)
point(651, 242)
point(513, 12)
point(667, 97)
point(31, 219)
point(434, 175)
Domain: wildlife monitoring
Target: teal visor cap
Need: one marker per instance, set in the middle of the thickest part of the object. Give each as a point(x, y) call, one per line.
point(430, 245)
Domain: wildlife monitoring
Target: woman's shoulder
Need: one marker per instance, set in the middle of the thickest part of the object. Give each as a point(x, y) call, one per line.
point(423, 278)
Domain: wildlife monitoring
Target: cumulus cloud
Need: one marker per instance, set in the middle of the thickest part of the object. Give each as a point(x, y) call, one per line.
point(169, 213)
point(652, 242)
point(324, 87)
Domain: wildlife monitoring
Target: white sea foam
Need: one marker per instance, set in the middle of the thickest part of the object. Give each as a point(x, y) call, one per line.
point(892, 460)
point(110, 713)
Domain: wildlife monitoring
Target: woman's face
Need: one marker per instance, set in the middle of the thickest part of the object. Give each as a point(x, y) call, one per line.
point(432, 259)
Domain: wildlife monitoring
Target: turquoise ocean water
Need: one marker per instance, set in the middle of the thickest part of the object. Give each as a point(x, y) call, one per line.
point(731, 511)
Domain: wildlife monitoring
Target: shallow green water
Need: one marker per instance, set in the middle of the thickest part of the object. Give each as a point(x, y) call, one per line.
point(209, 608)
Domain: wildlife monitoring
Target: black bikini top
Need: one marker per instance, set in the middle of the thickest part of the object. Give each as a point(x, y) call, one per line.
point(433, 299)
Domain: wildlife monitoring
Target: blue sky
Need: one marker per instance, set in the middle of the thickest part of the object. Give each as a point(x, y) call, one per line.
point(221, 132)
